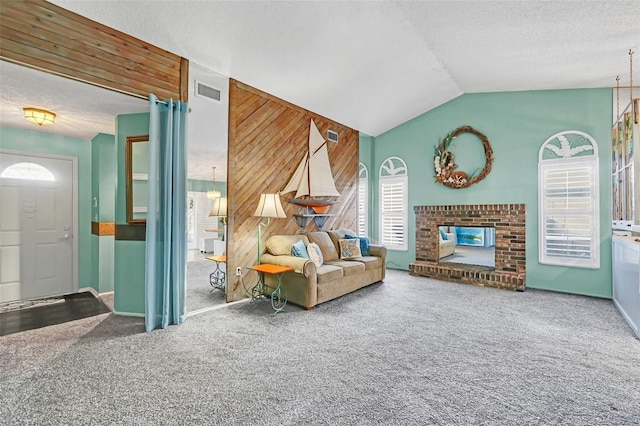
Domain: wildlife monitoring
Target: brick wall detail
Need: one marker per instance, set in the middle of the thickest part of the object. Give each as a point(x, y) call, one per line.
point(510, 260)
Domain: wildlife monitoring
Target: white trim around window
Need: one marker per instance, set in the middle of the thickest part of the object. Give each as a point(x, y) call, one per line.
point(393, 192)
point(568, 199)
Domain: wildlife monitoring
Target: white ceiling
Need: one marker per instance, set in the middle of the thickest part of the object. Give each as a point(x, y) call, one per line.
point(370, 65)
point(81, 110)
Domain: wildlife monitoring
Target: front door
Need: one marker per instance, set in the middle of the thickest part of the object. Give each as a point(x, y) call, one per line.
point(36, 226)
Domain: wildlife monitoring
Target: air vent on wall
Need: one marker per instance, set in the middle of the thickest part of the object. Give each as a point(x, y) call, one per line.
point(332, 136)
point(208, 92)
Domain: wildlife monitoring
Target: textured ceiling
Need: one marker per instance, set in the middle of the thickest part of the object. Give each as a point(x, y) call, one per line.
point(82, 110)
point(373, 65)
point(370, 65)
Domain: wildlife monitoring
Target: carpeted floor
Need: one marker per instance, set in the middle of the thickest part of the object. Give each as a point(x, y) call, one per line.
point(200, 293)
point(473, 256)
point(411, 351)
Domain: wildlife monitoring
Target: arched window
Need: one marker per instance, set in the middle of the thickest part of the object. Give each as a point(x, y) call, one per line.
point(568, 199)
point(363, 200)
point(28, 171)
point(393, 183)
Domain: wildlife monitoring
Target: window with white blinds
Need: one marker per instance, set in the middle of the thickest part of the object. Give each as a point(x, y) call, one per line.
point(393, 204)
point(569, 214)
point(363, 201)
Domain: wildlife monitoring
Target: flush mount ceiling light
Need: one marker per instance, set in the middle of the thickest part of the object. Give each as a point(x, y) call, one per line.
point(39, 116)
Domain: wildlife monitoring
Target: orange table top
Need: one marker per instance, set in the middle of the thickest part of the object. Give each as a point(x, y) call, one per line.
point(217, 258)
point(271, 269)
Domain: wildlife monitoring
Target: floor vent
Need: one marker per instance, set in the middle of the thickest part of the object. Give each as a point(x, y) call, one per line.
point(208, 92)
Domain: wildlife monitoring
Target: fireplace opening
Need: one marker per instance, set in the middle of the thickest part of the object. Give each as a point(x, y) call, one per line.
point(471, 245)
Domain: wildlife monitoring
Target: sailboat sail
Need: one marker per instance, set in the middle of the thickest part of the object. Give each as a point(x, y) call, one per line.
point(313, 175)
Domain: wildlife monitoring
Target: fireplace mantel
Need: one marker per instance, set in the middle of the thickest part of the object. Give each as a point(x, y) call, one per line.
point(510, 260)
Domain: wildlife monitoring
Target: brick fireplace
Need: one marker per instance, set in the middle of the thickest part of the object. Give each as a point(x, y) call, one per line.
point(510, 262)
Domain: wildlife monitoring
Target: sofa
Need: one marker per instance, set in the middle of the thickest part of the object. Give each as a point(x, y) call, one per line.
point(309, 285)
point(448, 246)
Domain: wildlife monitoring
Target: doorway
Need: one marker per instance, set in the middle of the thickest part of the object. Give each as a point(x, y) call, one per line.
point(38, 217)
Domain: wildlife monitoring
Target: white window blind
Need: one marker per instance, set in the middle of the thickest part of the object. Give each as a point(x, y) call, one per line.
point(363, 200)
point(393, 212)
point(363, 207)
point(569, 219)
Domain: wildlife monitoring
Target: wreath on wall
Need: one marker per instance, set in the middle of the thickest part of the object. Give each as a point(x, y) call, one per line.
point(445, 166)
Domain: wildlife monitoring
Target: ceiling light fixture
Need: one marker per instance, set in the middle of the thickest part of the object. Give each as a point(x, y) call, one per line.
point(40, 117)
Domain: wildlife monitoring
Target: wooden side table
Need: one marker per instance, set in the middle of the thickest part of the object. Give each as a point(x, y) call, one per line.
point(218, 278)
point(278, 298)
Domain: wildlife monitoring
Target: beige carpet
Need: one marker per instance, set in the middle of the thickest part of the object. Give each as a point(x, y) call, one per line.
point(410, 351)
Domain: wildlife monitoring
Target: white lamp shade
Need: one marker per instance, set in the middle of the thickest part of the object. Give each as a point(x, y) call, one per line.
point(269, 206)
point(219, 207)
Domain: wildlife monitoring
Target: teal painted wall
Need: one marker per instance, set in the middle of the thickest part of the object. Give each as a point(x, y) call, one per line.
point(196, 185)
point(103, 157)
point(129, 256)
point(46, 143)
point(103, 195)
point(516, 123)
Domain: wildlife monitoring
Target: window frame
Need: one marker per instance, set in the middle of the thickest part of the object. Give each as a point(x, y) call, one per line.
point(568, 163)
point(391, 175)
point(363, 201)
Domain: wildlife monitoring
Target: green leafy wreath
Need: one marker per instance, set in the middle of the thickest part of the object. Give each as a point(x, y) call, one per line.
point(444, 164)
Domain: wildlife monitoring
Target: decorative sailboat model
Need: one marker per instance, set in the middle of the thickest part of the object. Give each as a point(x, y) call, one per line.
point(313, 176)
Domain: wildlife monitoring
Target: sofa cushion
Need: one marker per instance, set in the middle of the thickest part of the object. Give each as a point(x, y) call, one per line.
point(328, 273)
point(322, 239)
point(280, 245)
point(349, 249)
point(443, 236)
point(350, 267)
point(364, 244)
point(370, 262)
point(315, 254)
point(299, 250)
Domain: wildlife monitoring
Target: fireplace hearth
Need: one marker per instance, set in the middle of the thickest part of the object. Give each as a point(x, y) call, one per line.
point(510, 260)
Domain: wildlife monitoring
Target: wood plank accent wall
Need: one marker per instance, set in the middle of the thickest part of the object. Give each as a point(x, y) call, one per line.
point(44, 36)
point(267, 139)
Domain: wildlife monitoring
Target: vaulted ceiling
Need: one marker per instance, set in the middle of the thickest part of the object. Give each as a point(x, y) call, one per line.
point(374, 65)
point(370, 65)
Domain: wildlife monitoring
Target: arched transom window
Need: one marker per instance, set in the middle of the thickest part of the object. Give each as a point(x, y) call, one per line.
point(28, 171)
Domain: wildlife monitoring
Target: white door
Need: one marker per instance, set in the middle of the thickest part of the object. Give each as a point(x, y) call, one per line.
point(36, 227)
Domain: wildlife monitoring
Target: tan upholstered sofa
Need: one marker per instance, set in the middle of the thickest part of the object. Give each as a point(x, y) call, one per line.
point(309, 285)
point(448, 246)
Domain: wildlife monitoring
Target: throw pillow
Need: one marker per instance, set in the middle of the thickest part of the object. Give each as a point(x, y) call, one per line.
point(299, 250)
point(443, 235)
point(349, 248)
point(364, 244)
point(315, 254)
